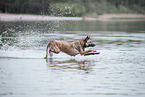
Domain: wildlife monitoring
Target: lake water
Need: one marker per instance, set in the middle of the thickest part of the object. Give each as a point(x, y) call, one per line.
point(118, 71)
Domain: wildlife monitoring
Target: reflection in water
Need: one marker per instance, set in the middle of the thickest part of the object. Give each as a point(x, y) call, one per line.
point(69, 64)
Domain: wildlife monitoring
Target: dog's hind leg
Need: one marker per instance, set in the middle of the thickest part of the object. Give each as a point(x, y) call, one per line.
point(51, 54)
point(47, 50)
point(55, 49)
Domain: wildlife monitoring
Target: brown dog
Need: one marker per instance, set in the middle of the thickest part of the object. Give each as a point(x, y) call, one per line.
point(72, 49)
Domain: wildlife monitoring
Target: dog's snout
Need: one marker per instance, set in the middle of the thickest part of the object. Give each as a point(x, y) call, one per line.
point(91, 45)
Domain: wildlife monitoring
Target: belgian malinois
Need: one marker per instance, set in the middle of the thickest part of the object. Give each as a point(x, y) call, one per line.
point(72, 48)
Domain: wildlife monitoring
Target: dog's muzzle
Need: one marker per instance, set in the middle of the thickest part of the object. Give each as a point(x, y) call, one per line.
point(91, 45)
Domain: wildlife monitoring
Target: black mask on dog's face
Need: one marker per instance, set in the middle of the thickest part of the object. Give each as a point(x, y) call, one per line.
point(88, 43)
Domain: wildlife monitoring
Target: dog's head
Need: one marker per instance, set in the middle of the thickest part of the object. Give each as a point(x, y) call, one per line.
point(87, 42)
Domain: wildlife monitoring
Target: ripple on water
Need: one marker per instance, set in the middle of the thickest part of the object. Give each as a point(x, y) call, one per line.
point(119, 69)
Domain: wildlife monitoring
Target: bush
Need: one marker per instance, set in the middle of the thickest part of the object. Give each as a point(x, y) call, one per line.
point(72, 7)
point(66, 9)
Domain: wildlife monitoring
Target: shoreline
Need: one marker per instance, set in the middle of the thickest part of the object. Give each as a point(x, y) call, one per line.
point(7, 17)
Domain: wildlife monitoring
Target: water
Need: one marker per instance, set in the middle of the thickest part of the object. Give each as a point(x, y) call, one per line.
point(119, 70)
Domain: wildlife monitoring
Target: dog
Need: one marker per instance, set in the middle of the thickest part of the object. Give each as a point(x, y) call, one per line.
point(70, 48)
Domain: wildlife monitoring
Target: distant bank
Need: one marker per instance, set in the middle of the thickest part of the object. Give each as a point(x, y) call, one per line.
point(28, 17)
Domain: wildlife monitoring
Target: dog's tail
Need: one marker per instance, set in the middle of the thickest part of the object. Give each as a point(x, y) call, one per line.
point(47, 50)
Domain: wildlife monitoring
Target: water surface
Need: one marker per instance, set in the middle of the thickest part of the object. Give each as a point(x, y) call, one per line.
point(118, 71)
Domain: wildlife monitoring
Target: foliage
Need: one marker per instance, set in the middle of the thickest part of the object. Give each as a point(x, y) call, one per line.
point(72, 7)
point(67, 9)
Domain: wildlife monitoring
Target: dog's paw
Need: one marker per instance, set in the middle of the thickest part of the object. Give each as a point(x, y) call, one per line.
point(92, 53)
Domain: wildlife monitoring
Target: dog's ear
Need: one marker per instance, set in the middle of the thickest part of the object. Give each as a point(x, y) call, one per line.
point(87, 38)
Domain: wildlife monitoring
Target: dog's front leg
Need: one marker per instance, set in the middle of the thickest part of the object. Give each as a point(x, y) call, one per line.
point(84, 52)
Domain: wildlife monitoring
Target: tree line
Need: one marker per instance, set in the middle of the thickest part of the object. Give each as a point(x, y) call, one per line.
point(72, 7)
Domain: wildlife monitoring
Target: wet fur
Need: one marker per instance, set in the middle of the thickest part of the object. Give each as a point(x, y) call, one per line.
point(70, 48)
